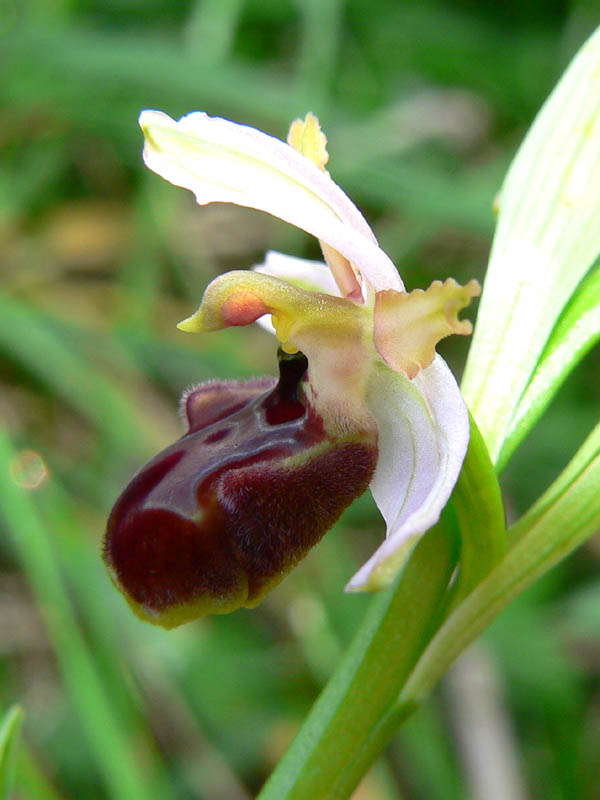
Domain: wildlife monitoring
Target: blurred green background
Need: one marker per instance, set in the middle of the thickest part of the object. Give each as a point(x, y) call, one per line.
point(424, 104)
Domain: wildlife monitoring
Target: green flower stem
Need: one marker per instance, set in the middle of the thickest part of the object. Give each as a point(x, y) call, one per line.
point(477, 502)
point(357, 713)
point(564, 517)
point(349, 724)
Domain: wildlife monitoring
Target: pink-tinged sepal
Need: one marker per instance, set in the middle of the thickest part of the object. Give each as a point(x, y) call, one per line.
point(218, 518)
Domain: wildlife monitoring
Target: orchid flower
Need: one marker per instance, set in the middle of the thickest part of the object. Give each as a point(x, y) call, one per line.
point(266, 467)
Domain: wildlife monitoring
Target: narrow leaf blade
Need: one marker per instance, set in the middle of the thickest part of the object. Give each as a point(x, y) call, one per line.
point(576, 332)
point(546, 241)
point(9, 737)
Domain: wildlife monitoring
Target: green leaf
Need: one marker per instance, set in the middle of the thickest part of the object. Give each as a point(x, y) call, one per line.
point(210, 31)
point(34, 546)
point(576, 332)
point(9, 737)
point(31, 781)
point(546, 241)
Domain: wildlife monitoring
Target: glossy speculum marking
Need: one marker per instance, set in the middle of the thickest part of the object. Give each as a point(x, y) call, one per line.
point(218, 518)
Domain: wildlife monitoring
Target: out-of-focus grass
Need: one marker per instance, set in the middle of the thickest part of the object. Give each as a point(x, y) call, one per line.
point(424, 104)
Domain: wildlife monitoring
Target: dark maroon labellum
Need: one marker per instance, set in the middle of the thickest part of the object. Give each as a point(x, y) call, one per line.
point(217, 519)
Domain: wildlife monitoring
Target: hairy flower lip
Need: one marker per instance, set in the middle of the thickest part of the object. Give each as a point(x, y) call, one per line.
point(215, 520)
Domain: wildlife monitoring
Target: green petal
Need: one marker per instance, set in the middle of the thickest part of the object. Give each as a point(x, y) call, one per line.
point(547, 239)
